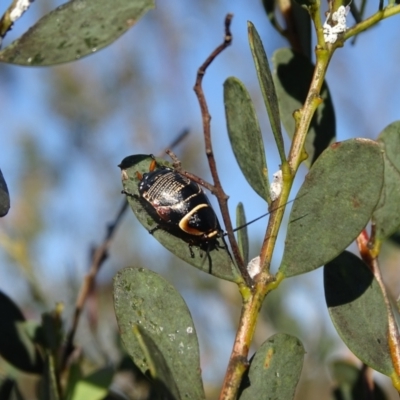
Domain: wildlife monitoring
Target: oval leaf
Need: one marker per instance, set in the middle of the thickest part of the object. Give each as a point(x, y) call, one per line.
point(15, 344)
point(216, 261)
point(267, 87)
point(274, 370)
point(4, 196)
point(292, 76)
point(390, 137)
point(165, 341)
point(387, 213)
point(358, 310)
point(334, 204)
point(73, 30)
point(245, 136)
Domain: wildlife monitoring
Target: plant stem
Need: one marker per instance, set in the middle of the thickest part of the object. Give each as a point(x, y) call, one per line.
point(238, 361)
point(264, 281)
point(372, 20)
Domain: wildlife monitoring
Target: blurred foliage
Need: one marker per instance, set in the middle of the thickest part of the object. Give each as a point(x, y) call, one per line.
point(60, 165)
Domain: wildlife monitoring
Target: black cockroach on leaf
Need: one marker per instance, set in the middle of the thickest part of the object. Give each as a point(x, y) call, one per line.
point(179, 205)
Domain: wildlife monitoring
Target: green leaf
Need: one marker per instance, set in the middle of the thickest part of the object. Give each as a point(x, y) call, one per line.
point(4, 196)
point(358, 310)
point(15, 345)
point(74, 376)
point(48, 386)
point(157, 331)
point(94, 386)
point(267, 86)
point(74, 30)
point(334, 204)
point(218, 262)
point(242, 234)
point(158, 367)
point(292, 77)
point(274, 370)
point(9, 390)
point(351, 383)
point(387, 213)
point(391, 143)
point(245, 136)
point(302, 29)
point(269, 6)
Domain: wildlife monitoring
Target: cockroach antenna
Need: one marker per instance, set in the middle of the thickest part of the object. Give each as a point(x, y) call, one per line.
point(261, 216)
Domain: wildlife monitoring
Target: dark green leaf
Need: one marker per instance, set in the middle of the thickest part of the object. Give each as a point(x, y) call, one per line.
point(387, 213)
point(269, 6)
point(334, 204)
point(395, 238)
point(352, 383)
point(306, 3)
point(391, 143)
point(15, 345)
point(242, 234)
point(274, 370)
point(163, 383)
point(7, 389)
point(245, 136)
point(4, 196)
point(48, 386)
point(218, 262)
point(292, 77)
point(302, 27)
point(358, 310)
point(73, 30)
point(157, 331)
point(51, 331)
point(267, 86)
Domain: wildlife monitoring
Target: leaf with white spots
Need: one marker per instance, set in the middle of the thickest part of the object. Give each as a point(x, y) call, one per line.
point(158, 332)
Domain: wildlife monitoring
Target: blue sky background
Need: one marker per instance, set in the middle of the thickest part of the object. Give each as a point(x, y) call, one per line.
point(166, 46)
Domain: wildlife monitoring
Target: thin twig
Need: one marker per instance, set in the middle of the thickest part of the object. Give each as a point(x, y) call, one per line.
point(206, 117)
point(99, 255)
